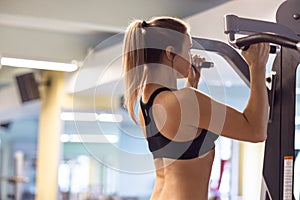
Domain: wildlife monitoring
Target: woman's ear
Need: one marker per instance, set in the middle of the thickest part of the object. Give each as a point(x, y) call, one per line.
point(170, 52)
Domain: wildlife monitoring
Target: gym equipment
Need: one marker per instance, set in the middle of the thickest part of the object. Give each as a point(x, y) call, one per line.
point(279, 149)
point(17, 180)
point(205, 65)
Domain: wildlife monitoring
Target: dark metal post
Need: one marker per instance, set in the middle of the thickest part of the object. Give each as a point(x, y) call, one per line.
point(279, 149)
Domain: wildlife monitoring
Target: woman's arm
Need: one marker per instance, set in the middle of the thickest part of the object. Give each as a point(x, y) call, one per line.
point(194, 74)
point(257, 108)
point(249, 125)
point(193, 78)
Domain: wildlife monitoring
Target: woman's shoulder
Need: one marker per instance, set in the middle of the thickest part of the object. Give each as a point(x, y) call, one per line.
point(186, 90)
point(172, 98)
point(187, 93)
point(192, 97)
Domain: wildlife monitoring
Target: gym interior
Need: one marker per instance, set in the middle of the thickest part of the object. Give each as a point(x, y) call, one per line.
point(64, 133)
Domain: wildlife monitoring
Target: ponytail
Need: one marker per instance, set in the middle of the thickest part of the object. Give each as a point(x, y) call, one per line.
point(133, 64)
point(157, 34)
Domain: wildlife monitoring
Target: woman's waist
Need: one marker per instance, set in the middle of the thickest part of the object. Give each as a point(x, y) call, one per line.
point(177, 191)
point(187, 180)
point(196, 168)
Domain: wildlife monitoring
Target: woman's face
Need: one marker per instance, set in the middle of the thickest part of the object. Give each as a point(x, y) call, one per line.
point(182, 61)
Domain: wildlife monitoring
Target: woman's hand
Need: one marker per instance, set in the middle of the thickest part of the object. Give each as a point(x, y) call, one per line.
point(257, 55)
point(195, 71)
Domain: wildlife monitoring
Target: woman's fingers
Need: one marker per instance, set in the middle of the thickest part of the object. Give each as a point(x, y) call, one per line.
point(257, 54)
point(197, 60)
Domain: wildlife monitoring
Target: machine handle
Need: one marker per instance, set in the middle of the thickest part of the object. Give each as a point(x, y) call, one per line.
point(244, 42)
point(204, 65)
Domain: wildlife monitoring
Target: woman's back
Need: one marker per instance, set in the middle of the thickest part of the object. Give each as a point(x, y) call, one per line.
point(176, 178)
point(182, 179)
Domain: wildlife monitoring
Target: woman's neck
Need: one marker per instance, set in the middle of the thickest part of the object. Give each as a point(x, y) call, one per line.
point(161, 75)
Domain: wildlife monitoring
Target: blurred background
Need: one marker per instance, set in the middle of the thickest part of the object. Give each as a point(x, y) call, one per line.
point(64, 133)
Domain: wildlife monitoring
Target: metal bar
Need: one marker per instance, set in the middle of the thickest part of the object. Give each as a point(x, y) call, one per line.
point(238, 25)
point(227, 52)
point(266, 37)
point(289, 67)
point(271, 167)
point(281, 130)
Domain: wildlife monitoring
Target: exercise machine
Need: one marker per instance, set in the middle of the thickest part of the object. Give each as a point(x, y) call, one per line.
point(278, 170)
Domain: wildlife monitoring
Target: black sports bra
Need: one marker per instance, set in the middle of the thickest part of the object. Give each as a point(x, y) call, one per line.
point(162, 147)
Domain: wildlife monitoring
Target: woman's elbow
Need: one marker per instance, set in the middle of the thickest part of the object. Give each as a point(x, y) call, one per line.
point(259, 135)
point(261, 138)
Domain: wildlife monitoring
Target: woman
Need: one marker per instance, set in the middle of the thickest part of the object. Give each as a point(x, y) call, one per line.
point(175, 121)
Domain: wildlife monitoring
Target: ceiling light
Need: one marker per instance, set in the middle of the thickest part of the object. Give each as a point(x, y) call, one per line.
point(36, 64)
point(78, 116)
point(88, 138)
point(82, 116)
point(103, 117)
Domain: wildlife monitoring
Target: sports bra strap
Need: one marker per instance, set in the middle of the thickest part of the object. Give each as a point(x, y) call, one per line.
point(154, 94)
point(145, 107)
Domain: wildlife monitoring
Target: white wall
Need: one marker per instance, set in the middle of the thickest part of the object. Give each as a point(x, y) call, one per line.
point(209, 24)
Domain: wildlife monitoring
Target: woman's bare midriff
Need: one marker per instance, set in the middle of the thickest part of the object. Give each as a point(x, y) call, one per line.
point(182, 179)
point(177, 179)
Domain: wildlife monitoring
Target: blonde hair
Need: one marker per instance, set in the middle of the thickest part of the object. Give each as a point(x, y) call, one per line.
point(138, 51)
